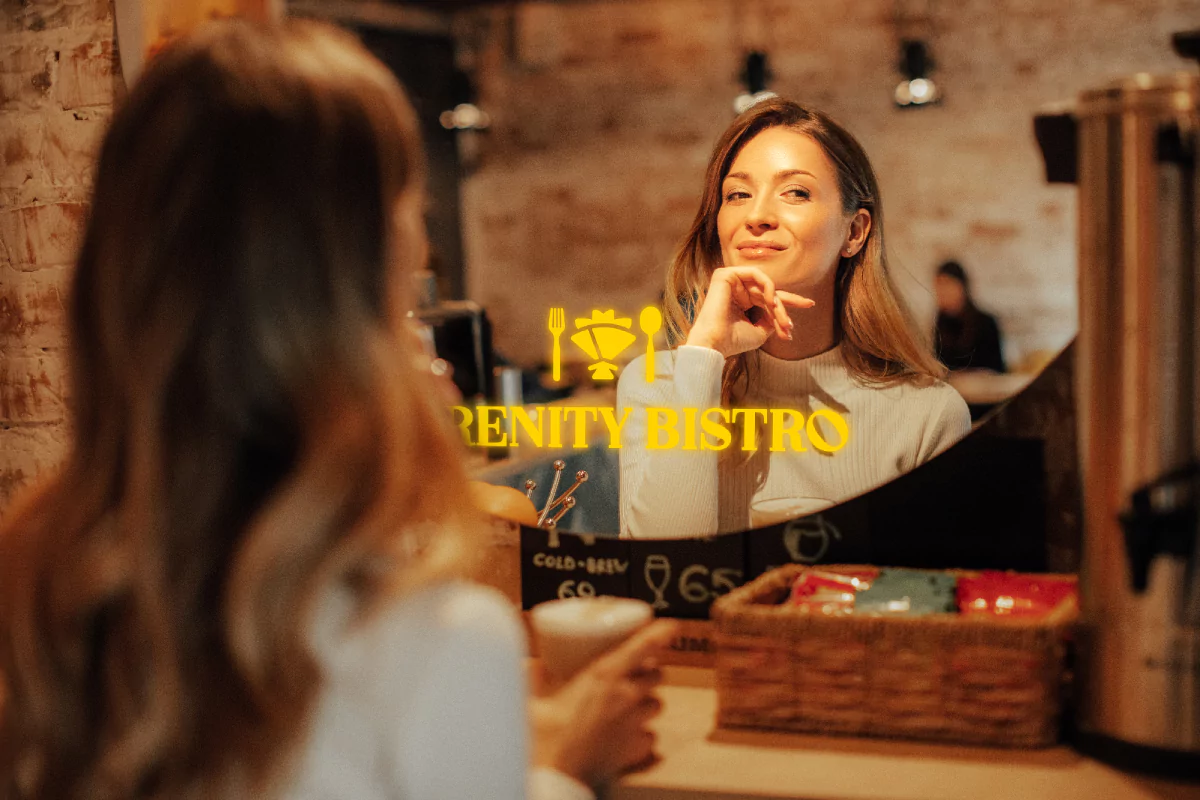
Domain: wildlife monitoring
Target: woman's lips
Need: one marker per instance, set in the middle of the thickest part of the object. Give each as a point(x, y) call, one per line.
point(755, 250)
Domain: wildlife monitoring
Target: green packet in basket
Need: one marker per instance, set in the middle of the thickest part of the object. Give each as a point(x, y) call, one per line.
point(908, 593)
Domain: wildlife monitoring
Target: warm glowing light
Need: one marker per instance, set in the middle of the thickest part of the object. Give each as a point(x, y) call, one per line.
point(916, 92)
point(464, 117)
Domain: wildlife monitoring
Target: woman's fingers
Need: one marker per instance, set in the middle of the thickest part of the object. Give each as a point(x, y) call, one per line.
point(645, 680)
point(639, 750)
point(743, 295)
point(631, 654)
point(755, 276)
point(783, 319)
point(647, 708)
point(767, 322)
point(795, 300)
point(750, 286)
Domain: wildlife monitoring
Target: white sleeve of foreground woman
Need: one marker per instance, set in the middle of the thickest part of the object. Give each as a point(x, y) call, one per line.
point(468, 733)
point(428, 700)
point(670, 492)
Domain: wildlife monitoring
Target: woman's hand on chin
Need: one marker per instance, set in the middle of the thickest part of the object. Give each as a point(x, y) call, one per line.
point(742, 310)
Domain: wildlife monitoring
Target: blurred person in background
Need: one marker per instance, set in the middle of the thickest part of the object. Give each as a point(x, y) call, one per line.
point(245, 579)
point(966, 337)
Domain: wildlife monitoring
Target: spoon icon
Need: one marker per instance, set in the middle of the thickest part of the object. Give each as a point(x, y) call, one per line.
point(650, 322)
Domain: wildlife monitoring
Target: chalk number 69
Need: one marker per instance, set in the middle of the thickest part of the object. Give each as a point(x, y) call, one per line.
point(573, 589)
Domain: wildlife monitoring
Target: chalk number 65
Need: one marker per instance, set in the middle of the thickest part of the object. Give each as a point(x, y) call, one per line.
point(722, 580)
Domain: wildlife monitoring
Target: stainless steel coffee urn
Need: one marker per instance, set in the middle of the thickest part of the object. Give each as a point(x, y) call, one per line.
point(1138, 397)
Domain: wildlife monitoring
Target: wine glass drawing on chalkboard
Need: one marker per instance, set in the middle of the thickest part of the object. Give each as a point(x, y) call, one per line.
point(658, 574)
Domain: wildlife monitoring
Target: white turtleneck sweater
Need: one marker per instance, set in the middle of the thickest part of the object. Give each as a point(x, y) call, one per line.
point(678, 493)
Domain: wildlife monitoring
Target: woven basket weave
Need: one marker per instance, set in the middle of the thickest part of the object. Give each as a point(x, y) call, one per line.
point(944, 677)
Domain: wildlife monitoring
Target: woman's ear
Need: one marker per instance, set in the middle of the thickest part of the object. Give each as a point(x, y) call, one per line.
point(860, 228)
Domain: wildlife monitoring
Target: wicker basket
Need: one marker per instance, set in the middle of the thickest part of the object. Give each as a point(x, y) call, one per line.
point(945, 677)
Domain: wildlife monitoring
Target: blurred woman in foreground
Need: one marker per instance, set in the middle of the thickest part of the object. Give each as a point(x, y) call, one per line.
point(242, 582)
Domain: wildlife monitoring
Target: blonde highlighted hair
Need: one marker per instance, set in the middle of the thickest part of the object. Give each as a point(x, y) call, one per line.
point(879, 341)
point(251, 430)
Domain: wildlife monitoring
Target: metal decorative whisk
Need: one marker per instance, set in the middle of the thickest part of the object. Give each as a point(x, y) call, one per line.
point(564, 503)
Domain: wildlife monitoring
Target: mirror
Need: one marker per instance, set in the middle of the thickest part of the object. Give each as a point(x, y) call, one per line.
point(584, 168)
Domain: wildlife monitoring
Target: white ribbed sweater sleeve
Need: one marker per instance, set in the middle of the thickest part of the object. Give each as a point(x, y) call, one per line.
point(465, 730)
point(426, 700)
point(951, 422)
point(670, 493)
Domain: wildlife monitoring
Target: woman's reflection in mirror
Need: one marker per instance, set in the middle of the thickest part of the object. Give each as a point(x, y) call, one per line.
point(786, 269)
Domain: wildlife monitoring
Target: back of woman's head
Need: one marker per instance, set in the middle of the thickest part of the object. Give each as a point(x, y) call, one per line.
point(249, 423)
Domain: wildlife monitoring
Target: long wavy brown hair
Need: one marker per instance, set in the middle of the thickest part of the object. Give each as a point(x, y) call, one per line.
point(879, 340)
point(251, 431)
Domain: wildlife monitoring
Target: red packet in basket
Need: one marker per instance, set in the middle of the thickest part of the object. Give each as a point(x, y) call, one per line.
point(1008, 595)
point(823, 592)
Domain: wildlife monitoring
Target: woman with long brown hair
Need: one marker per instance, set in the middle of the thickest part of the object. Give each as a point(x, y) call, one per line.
point(242, 581)
point(966, 336)
point(780, 298)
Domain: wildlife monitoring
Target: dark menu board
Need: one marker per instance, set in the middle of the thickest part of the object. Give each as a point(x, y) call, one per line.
point(682, 577)
point(979, 505)
point(838, 535)
point(556, 565)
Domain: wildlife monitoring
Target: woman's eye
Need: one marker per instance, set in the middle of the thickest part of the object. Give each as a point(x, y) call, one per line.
point(797, 193)
point(735, 195)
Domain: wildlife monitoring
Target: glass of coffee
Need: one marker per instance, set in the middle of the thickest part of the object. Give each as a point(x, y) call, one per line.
point(573, 632)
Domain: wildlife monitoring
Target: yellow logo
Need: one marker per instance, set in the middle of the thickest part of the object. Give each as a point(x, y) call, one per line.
point(602, 337)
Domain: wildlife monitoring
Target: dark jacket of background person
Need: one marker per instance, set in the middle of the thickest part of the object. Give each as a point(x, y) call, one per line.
point(970, 339)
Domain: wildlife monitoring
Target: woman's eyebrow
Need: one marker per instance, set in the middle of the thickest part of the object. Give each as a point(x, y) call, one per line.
point(781, 175)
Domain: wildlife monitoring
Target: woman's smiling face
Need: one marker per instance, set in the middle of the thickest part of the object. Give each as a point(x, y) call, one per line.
point(781, 211)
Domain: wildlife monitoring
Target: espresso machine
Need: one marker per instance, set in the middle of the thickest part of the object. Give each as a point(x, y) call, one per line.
point(1138, 396)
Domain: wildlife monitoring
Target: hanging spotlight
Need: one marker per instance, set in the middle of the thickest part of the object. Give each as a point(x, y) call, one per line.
point(755, 76)
point(917, 89)
point(465, 116)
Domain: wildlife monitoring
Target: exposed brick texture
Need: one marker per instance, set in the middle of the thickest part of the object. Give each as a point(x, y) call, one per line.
point(604, 114)
point(58, 72)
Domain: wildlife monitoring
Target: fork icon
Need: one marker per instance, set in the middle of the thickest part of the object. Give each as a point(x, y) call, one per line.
point(557, 324)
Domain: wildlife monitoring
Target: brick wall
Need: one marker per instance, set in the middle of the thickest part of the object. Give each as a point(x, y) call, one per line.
point(604, 114)
point(57, 77)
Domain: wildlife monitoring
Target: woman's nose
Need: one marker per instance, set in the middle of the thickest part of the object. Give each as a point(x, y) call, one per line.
point(760, 218)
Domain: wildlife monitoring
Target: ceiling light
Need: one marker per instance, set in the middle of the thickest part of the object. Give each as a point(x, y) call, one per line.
point(917, 88)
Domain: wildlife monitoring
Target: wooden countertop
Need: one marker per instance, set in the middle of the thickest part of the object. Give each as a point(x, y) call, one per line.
point(699, 763)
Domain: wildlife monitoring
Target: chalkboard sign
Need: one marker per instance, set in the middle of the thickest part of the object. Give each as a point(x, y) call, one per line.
point(838, 535)
point(558, 564)
point(681, 577)
point(978, 505)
